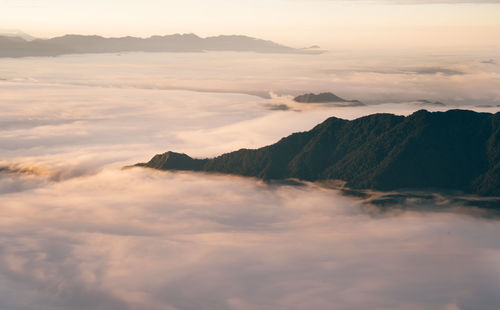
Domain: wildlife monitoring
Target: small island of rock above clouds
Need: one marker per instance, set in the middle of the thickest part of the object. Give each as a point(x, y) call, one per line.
point(453, 150)
point(326, 98)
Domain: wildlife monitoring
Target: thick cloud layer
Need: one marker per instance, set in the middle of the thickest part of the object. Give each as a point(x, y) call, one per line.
point(77, 232)
point(139, 239)
point(458, 78)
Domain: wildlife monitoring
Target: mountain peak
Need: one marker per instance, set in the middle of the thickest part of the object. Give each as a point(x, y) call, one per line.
point(173, 160)
point(453, 150)
point(325, 97)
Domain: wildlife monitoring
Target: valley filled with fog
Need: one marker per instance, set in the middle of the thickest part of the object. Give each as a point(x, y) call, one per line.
point(76, 228)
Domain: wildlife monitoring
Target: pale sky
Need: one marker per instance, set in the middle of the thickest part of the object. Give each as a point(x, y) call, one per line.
point(407, 23)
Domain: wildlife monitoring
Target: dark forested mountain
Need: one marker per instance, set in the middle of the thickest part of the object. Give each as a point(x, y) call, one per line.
point(454, 150)
point(79, 44)
point(324, 98)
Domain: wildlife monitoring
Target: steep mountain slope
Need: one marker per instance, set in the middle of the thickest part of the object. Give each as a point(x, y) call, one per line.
point(454, 150)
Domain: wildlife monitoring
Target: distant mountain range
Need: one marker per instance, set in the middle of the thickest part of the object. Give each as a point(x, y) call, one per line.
point(453, 150)
point(326, 98)
point(79, 44)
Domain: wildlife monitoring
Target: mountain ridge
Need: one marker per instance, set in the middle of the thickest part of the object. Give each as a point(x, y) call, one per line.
point(84, 44)
point(453, 150)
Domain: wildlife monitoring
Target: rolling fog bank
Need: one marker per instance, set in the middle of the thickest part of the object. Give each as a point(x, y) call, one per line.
point(78, 232)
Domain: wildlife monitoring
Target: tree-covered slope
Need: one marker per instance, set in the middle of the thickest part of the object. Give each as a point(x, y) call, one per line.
point(454, 150)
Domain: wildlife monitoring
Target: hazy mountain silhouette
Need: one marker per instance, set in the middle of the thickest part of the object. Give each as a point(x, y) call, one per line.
point(326, 98)
point(18, 47)
point(16, 34)
point(79, 44)
point(454, 150)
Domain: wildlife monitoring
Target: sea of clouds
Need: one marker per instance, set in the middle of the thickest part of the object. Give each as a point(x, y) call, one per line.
point(79, 232)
